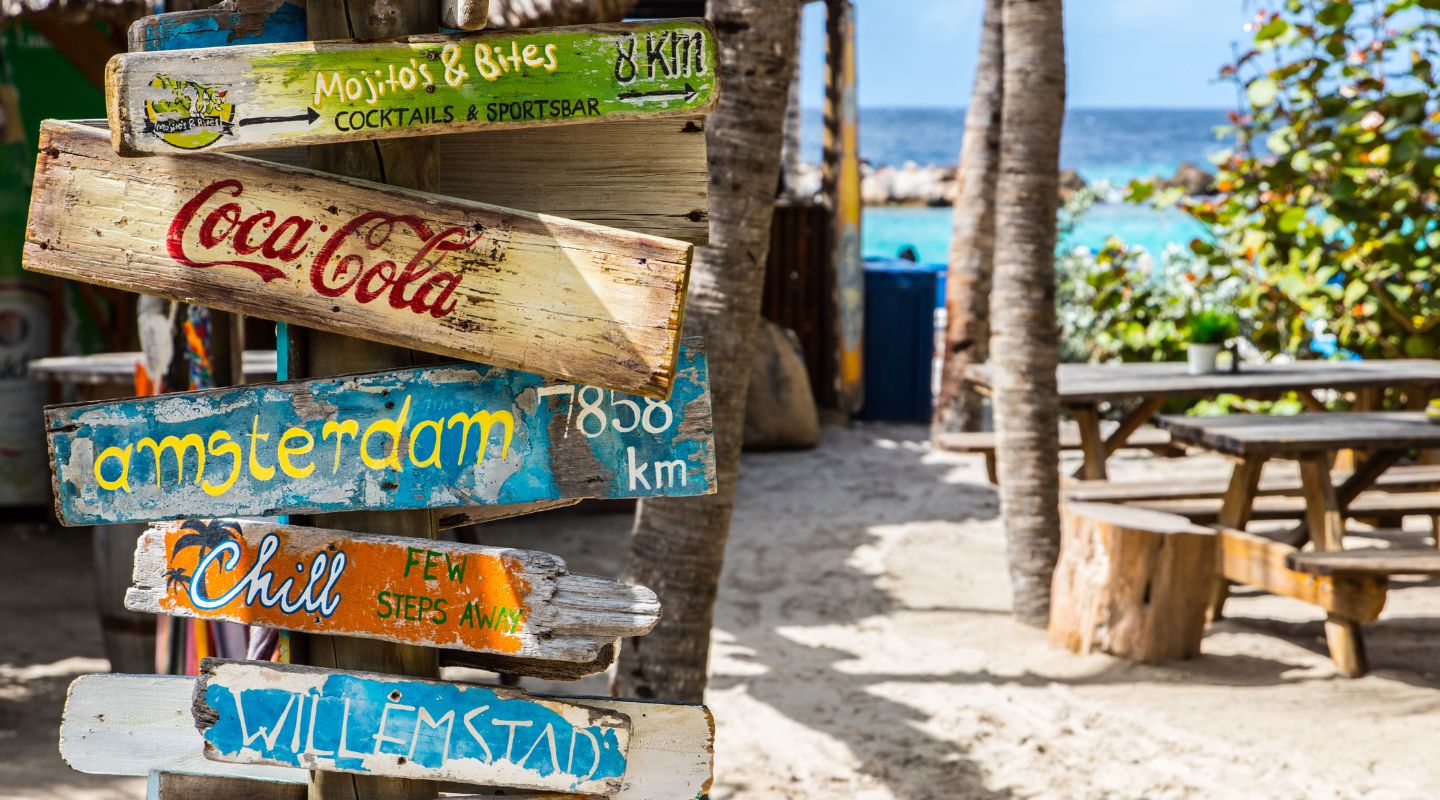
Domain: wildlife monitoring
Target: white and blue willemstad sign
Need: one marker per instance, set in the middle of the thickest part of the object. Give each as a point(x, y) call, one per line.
point(254, 713)
point(433, 437)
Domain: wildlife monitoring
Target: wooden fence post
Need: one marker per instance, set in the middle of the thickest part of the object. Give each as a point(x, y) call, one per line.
point(413, 163)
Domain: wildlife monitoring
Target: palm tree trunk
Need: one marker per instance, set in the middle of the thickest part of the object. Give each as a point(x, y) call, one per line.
point(678, 546)
point(1024, 348)
point(972, 251)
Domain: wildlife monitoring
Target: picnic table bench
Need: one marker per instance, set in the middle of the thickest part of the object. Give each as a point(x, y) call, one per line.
point(1349, 585)
point(1084, 387)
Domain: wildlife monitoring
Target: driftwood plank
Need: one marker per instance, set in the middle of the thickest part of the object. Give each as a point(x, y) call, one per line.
point(478, 282)
point(540, 669)
point(268, 95)
point(374, 724)
point(438, 594)
point(646, 176)
point(225, 24)
point(431, 437)
point(137, 724)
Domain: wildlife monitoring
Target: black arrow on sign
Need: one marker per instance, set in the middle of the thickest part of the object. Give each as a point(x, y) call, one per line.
point(309, 116)
point(688, 94)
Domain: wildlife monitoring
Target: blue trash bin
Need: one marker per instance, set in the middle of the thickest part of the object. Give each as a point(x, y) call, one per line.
point(900, 302)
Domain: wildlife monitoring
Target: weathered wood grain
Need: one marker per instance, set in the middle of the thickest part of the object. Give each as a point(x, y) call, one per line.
point(477, 515)
point(267, 95)
point(431, 437)
point(1132, 582)
point(646, 176)
point(540, 669)
point(1256, 561)
point(228, 23)
point(438, 594)
point(1403, 478)
point(447, 276)
point(1305, 434)
point(370, 723)
point(136, 724)
point(1091, 383)
point(1372, 561)
point(465, 15)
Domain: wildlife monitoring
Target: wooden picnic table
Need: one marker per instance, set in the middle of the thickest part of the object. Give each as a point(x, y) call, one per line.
point(119, 368)
point(1350, 587)
point(1083, 387)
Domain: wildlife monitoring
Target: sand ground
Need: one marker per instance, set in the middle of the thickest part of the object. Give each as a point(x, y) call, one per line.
point(864, 650)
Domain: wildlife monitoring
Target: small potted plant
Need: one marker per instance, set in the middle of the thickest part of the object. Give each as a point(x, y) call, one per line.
point(1209, 330)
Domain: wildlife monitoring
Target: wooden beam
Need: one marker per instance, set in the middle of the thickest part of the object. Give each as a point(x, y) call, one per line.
point(481, 283)
point(411, 163)
point(82, 44)
point(1256, 561)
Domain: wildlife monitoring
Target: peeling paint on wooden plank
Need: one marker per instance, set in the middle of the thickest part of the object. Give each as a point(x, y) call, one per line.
point(136, 724)
point(437, 594)
point(271, 95)
point(432, 437)
point(467, 280)
point(373, 724)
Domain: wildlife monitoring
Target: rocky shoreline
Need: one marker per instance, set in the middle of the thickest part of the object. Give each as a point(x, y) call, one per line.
point(934, 186)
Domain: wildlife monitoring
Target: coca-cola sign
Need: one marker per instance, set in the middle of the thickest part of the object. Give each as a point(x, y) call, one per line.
point(215, 228)
point(438, 274)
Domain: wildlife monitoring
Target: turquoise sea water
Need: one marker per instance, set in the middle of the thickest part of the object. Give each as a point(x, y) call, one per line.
point(1113, 145)
point(928, 230)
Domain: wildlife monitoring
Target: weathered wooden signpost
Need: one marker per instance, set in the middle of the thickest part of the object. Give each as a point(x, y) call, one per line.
point(584, 389)
point(439, 594)
point(257, 96)
point(429, 437)
point(454, 277)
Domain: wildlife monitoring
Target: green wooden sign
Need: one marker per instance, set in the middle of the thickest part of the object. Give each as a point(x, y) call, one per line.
point(268, 95)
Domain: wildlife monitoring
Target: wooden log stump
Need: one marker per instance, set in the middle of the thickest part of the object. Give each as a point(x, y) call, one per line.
point(1131, 582)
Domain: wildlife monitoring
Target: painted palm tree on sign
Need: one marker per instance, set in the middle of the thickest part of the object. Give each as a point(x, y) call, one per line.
point(1024, 351)
point(204, 534)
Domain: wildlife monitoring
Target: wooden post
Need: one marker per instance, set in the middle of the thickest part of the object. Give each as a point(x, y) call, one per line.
point(842, 195)
point(413, 163)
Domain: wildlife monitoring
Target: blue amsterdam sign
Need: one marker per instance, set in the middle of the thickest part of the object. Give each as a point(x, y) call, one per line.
point(253, 713)
point(433, 437)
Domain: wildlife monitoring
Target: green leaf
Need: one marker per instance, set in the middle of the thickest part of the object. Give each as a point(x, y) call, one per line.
point(1335, 14)
point(1279, 142)
point(1272, 30)
point(1291, 220)
point(1262, 92)
point(1354, 291)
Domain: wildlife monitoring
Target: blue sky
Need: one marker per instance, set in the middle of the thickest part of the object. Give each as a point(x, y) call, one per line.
point(1119, 53)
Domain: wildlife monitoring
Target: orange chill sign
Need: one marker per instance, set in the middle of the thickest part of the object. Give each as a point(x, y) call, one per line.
point(438, 594)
